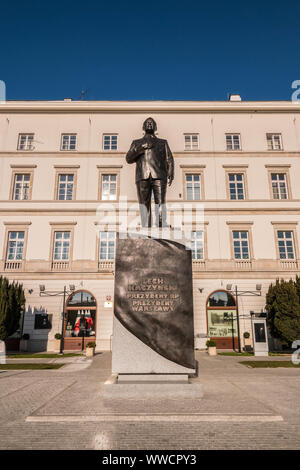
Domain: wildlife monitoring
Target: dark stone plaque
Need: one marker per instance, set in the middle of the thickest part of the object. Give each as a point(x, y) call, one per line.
point(154, 296)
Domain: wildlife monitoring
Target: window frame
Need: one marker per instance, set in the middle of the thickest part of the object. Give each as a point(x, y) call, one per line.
point(98, 251)
point(279, 169)
point(21, 170)
point(15, 227)
point(272, 134)
point(231, 169)
point(240, 240)
point(193, 170)
point(285, 246)
point(278, 182)
point(65, 170)
point(107, 134)
point(65, 134)
point(61, 227)
point(54, 245)
point(241, 227)
point(203, 230)
point(232, 134)
point(109, 170)
point(191, 134)
point(27, 134)
point(7, 259)
point(286, 227)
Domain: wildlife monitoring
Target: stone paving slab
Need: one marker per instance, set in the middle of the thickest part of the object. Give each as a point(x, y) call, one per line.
point(233, 414)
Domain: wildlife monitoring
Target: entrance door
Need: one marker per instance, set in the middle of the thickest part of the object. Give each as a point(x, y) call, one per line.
point(260, 337)
point(80, 321)
point(222, 320)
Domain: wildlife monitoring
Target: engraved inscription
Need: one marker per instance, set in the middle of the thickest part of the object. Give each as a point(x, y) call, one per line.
point(152, 295)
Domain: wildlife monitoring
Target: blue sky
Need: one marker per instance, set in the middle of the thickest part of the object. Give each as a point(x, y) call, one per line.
point(149, 49)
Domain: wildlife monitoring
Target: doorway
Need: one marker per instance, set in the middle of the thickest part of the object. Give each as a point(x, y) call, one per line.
point(80, 321)
point(222, 319)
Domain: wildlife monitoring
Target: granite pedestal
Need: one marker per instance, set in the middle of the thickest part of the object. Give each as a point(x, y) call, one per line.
point(153, 332)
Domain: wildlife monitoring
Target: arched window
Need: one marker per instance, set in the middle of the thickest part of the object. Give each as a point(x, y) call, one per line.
point(221, 299)
point(81, 298)
point(221, 319)
point(81, 315)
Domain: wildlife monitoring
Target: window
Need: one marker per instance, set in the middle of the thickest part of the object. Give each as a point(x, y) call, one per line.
point(81, 310)
point(259, 332)
point(61, 250)
point(21, 190)
point(279, 186)
point(191, 142)
point(285, 244)
point(193, 187)
point(108, 187)
point(221, 317)
point(221, 299)
point(107, 242)
point(233, 142)
point(65, 187)
point(240, 244)
point(25, 142)
point(110, 142)
point(68, 142)
point(236, 186)
point(15, 246)
point(197, 244)
point(274, 141)
point(42, 321)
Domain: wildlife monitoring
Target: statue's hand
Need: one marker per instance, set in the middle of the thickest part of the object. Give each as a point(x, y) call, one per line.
point(147, 146)
point(170, 179)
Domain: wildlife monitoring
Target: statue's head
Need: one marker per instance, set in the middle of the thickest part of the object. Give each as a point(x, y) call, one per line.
point(149, 126)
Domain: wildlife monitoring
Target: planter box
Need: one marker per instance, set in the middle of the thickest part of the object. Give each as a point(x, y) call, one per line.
point(212, 350)
point(89, 352)
point(247, 344)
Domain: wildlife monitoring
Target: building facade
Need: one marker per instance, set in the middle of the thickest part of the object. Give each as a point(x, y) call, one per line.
point(63, 169)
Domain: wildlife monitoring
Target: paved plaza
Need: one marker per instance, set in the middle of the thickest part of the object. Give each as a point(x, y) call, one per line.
point(242, 408)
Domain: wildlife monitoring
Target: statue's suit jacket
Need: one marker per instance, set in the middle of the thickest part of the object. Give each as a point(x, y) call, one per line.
point(157, 161)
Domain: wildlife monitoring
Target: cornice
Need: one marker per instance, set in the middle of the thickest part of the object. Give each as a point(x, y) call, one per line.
point(176, 154)
point(149, 106)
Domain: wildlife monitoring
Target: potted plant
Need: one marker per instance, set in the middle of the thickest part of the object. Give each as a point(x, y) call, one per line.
point(211, 347)
point(90, 349)
point(24, 342)
point(247, 340)
point(57, 339)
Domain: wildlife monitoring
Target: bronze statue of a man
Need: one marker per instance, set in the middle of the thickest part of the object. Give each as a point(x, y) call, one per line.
point(154, 169)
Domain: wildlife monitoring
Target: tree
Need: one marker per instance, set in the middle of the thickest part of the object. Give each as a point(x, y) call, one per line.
point(283, 308)
point(297, 284)
point(12, 302)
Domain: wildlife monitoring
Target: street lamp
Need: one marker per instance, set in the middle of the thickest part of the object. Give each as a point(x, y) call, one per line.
point(65, 292)
point(238, 293)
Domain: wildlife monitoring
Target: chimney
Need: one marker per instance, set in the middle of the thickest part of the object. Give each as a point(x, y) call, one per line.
point(234, 97)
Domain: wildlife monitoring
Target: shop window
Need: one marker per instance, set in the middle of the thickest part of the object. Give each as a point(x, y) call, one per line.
point(81, 315)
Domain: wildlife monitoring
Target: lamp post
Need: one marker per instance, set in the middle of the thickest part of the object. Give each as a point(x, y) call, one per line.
point(237, 294)
point(64, 293)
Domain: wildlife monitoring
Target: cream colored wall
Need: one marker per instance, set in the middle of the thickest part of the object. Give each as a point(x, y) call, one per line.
point(212, 125)
point(54, 305)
